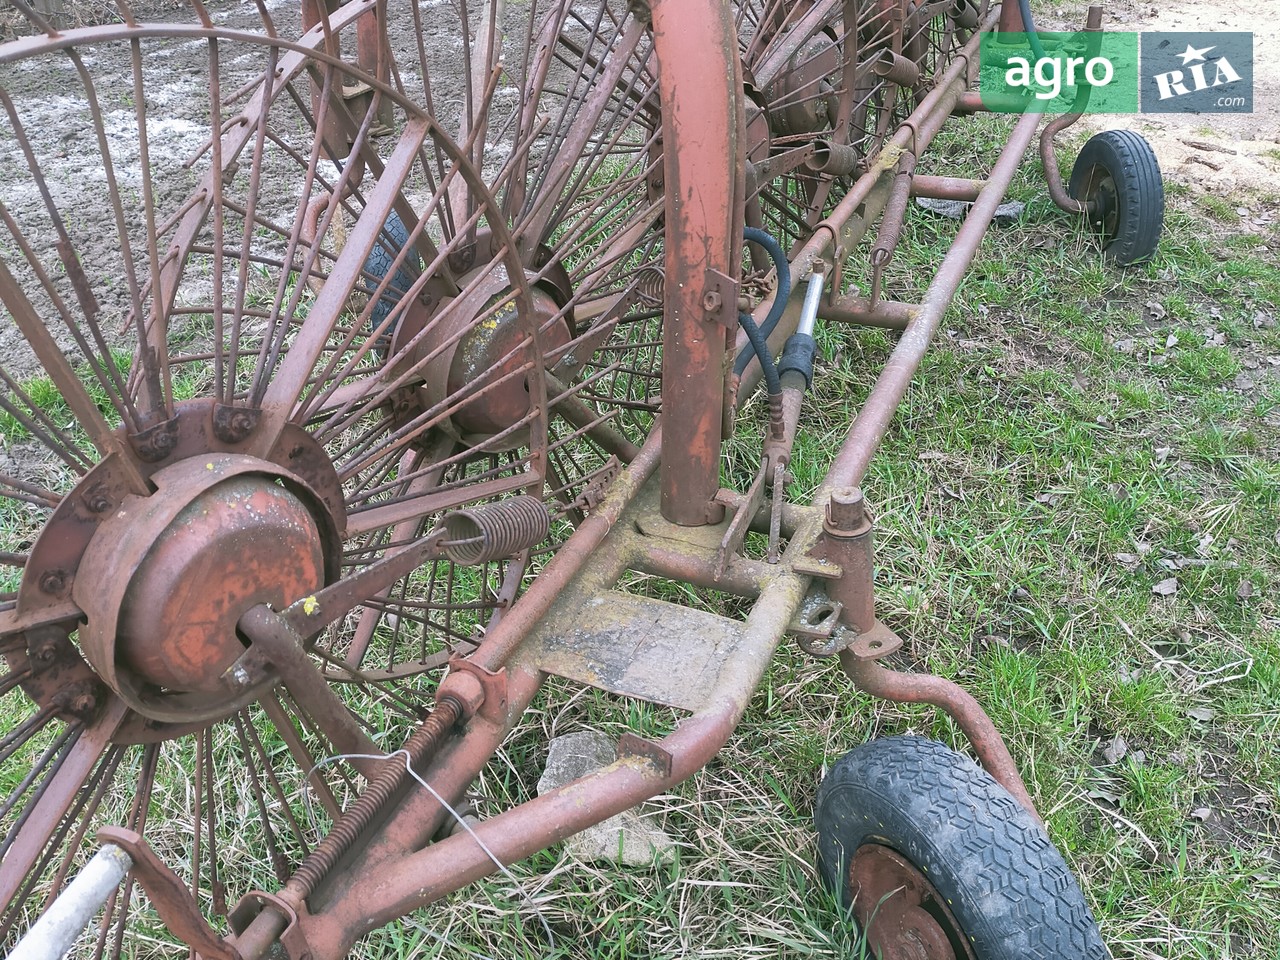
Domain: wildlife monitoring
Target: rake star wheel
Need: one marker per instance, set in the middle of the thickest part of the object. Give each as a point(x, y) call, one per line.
point(242, 367)
point(826, 84)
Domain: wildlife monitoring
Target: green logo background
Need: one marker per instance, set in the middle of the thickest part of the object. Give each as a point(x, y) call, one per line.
point(1002, 57)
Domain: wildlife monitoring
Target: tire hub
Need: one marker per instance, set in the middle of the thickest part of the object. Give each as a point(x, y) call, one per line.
point(475, 363)
point(904, 916)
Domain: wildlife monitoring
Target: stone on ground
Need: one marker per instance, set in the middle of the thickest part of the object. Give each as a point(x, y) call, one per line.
point(632, 837)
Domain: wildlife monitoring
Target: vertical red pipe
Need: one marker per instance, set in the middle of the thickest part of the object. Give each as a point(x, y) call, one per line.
point(1011, 18)
point(698, 82)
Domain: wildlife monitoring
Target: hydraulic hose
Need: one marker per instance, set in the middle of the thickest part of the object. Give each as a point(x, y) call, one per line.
point(760, 343)
point(1024, 6)
point(780, 297)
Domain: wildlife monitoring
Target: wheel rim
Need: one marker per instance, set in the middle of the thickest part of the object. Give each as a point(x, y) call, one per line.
point(901, 913)
point(525, 354)
point(1100, 189)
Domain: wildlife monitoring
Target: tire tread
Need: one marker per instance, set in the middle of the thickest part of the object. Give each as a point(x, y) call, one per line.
point(1009, 887)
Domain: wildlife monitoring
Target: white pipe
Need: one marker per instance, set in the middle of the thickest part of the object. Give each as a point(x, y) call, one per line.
point(809, 312)
point(51, 936)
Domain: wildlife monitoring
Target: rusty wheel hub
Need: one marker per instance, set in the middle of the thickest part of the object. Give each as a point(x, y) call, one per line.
point(166, 578)
point(481, 337)
point(803, 99)
point(903, 915)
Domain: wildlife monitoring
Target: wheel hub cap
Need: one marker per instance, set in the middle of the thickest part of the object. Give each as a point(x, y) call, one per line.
point(165, 580)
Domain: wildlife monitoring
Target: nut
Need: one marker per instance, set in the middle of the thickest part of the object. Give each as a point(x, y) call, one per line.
point(712, 301)
point(53, 581)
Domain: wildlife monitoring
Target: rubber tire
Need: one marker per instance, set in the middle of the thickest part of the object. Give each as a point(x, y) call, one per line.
point(1008, 887)
point(1130, 163)
point(379, 262)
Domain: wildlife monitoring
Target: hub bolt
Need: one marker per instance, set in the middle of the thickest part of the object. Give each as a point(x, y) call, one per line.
point(53, 581)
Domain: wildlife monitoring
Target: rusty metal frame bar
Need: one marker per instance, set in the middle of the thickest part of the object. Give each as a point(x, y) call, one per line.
point(703, 194)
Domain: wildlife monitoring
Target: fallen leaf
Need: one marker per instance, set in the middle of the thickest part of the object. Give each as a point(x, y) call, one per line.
point(1201, 813)
point(1116, 750)
point(1128, 559)
point(1166, 588)
point(1106, 796)
point(1245, 590)
point(1162, 454)
point(1156, 309)
point(1171, 341)
point(1203, 714)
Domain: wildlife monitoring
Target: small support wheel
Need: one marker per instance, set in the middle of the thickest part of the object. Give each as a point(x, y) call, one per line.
point(939, 862)
point(1118, 170)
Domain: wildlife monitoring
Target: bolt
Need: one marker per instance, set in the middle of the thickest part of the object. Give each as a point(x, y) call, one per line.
point(83, 703)
point(79, 699)
point(53, 581)
point(846, 511)
point(711, 301)
point(45, 652)
point(96, 500)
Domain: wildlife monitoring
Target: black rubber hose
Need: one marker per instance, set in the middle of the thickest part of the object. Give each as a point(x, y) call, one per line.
point(773, 383)
point(783, 294)
point(1029, 25)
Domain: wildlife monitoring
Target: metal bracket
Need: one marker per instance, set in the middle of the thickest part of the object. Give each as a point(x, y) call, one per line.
point(170, 896)
point(494, 684)
point(816, 626)
point(630, 745)
point(875, 644)
point(157, 442)
point(292, 939)
point(720, 299)
point(817, 568)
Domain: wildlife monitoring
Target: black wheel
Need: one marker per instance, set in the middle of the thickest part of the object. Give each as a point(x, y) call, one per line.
point(939, 862)
point(1119, 170)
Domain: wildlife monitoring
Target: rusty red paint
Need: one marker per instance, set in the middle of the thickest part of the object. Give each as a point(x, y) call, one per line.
point(700, 126)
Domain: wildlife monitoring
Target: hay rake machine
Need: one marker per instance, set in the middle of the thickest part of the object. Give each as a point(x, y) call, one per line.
point(352, 362)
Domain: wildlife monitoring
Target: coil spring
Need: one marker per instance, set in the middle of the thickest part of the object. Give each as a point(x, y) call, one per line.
point(651, 284)
point(495, 530)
